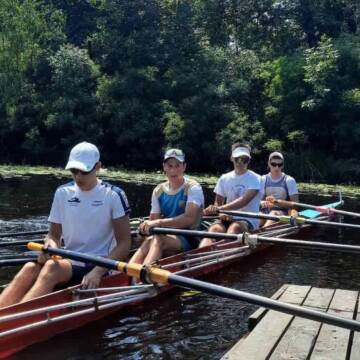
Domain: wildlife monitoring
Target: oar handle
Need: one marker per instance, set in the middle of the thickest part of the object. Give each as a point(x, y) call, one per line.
point(197, 233)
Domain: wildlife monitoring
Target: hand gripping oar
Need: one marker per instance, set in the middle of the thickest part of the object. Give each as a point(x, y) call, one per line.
point(288, 219)
point(320, 209)
point(253, 239)
point(152, 274)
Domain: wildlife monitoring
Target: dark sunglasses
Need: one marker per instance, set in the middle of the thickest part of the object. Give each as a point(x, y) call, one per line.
point(244, 160)
point(77, 171)
point(277, 164)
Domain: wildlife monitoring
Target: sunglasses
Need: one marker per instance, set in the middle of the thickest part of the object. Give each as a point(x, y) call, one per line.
point(277, 164)
point(84, 173)
point(244, 160)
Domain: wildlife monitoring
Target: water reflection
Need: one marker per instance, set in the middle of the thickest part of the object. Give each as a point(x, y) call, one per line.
point(181, 324)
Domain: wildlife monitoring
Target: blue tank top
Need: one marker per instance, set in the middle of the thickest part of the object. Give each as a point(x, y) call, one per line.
point(172, 205)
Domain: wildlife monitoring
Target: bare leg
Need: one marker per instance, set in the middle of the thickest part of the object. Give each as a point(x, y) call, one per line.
point(273, 212)
point(238, 227)
point(219, 228)
point(53, 272)
point(161, 244)
point(141, 252)
point(20, 285)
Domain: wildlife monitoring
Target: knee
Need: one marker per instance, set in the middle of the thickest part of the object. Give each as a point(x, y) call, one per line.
point(237, 228)
point(216, 228)
point(29, 272)
point(49, 271)
point(157, 241)
point(206, 242)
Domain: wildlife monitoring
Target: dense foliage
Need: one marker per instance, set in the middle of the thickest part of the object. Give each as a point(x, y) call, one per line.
point(138, 76)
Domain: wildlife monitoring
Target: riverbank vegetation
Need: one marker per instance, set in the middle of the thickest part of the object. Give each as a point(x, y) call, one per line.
point(153, 178)
point(136, 77)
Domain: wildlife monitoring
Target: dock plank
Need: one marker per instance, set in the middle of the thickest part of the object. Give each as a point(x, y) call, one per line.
point(301, 334)
point(332, 342)
point(355, 350)
point(261, 311)
point(269, 330)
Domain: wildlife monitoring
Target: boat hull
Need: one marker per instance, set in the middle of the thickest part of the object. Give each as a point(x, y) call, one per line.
point(18, 333)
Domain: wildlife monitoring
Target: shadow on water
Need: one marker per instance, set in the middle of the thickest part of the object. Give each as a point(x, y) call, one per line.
point(181, 324)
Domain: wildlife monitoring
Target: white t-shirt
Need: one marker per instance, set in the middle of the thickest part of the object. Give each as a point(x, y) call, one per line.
point(86, 216)
point(232, 186)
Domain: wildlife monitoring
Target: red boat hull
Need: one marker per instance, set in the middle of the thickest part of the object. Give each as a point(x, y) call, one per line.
point(12, 343)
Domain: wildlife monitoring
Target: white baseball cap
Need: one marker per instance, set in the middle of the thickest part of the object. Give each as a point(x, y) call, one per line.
point(83, 157)
point(175, 153)
point(241, 151)
point(276, 154)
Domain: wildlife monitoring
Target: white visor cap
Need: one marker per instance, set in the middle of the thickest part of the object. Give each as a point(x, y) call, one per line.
point(241, 151)
point(276, 154)
point(83, 157)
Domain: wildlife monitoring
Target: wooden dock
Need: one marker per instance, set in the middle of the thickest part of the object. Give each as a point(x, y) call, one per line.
point(274, 335)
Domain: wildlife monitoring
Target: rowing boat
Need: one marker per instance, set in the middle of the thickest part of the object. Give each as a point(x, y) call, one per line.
point(42, 318)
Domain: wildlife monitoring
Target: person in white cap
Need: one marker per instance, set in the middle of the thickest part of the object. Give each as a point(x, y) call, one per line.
point(277, 185)
point(176, 203)
point(90, 216)
point(236, 190)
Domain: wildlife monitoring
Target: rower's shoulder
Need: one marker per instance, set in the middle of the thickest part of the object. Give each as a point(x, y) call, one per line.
point(189, 183)
point(254, 175)
point(66, 187)
point(111, 188)
point(289, 178)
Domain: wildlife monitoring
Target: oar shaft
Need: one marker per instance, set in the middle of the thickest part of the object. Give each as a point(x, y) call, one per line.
point(198, 233)
point(249, 215)
point(332, 224)
point(321, 209)
point(165, 277)
point(23, 233)
point(310, 244)
point(16, 262)
point(288, 219)
point(264, 302)
point(18, 242)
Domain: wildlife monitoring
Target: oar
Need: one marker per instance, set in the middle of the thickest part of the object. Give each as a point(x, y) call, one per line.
point(254, 239)
point(133, 222)
point(320, 209)
point(24, 242)
point(17, 261)
point(23, 233)
point(16, 256)
point(288, 219)
point(18, 242)
point(157, 275)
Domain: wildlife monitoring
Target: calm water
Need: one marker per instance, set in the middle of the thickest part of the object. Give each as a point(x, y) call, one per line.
point(182, 324)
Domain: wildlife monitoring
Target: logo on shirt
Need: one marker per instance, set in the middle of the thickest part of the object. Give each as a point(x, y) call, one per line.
point(74, 200)
point(97, 203)
point(239, 190)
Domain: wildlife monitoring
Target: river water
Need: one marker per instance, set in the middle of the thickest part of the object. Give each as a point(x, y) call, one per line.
point(183, 324)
